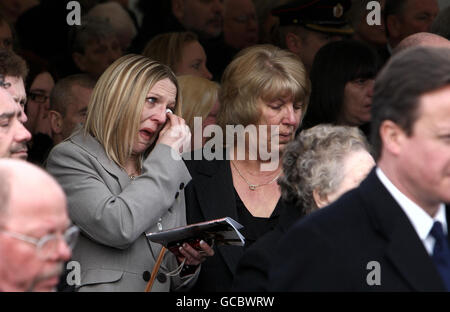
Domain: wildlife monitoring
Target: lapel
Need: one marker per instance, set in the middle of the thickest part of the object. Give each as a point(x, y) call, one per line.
point(404, 248)
point(93, 147)
point(447, 216)
point(213, 185)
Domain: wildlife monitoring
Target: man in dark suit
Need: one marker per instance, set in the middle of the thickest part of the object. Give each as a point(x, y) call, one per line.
point(389, 233)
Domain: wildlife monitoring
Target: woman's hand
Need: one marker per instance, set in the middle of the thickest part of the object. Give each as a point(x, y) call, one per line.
point(42, 123)
point(175, 133)
point(193, 256)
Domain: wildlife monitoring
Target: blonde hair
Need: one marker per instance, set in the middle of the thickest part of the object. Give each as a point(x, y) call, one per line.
point(115, 108)
point(198, 96)
point(167, 48)
point(260, 72)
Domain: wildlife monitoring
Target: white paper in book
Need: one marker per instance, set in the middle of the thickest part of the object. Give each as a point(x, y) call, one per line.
point(224, 231)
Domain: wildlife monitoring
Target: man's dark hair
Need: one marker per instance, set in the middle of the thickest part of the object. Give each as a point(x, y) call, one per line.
point(91, 29)
point(12, 64)
point(407, 76)
point(441, 25)
point(61, 95)
point(393, 7)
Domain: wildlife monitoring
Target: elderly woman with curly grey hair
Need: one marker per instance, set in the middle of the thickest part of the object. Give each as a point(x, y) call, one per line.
point(319, 166)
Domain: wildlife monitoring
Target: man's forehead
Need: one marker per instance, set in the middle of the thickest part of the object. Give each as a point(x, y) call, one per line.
point(421, 5)
point(16, 88)
point(15, 81)
point(7, 103)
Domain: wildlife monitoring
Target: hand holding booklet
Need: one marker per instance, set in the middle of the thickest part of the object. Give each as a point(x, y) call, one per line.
point(224, 231)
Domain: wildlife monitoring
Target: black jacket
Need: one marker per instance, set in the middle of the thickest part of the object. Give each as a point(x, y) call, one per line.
point(330, 249)
point(211, 195)
point(253, 268)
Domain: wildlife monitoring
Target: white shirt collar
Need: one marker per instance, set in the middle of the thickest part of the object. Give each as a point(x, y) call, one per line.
point(421, 221)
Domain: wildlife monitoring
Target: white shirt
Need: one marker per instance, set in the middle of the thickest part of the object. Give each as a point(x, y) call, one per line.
point(420, 220)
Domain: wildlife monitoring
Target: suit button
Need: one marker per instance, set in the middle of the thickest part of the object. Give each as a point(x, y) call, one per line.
point(181, 186)
point(177, 194)
point(146, 276)
point(161, 277)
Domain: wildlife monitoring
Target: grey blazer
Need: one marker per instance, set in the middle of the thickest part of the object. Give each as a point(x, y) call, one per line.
point(113, 212)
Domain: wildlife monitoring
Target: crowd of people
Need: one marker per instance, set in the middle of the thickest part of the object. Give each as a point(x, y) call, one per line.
point(325, 136)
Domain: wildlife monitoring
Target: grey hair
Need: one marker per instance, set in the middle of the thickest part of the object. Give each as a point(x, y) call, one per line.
point(91, 28)
point(314, 160)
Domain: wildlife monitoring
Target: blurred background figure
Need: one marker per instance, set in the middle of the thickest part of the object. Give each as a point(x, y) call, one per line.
point(181, 51)
point(12, 9)
point(200, 98)
point(69, 101)
point(65, 108)
point(6, 34)
point(319, 166)
point(35, 233)
point(119, 19)
point(307, 25)
point(406, 17)
point(373, 35)
point(267, 22)
point(49, 17)
point(205, 18)
point(342, 79)
point(94, 46)
point(240, 24)
point(263, 86)
point(39, 84)
point(441, 25)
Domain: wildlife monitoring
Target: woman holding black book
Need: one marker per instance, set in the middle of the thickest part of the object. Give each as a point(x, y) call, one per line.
point(264, 92)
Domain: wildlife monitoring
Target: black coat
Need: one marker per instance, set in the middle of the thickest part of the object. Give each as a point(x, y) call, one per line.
point(253, 268)
point(210, 195)
point(330, 249)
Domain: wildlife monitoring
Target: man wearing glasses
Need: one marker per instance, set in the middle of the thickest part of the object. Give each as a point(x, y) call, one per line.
point(35, 233)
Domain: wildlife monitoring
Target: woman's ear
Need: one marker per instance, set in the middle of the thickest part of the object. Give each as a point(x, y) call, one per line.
point(321, 201)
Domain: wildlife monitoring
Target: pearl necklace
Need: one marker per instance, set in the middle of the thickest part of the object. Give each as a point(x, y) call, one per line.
point(252, 186)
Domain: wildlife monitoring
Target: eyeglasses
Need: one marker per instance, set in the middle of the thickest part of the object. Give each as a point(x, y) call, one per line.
point(37, 97)
point(47, 245)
